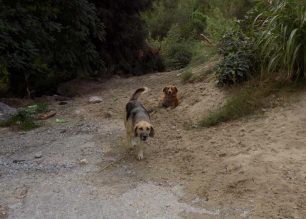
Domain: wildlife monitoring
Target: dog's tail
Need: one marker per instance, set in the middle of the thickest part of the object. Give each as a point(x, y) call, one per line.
point(138, 92)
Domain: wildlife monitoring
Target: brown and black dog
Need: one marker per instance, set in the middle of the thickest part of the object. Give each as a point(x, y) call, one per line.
point(137, 122)
point(169, 97)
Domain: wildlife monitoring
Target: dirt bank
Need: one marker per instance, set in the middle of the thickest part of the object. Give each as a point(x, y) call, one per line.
point(255, 167)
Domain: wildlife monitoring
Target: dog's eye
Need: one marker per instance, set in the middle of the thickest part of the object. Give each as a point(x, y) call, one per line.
point(141, 128)
point(148, 129)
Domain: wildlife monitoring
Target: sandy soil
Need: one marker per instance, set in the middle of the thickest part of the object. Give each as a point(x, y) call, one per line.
point(251, 168)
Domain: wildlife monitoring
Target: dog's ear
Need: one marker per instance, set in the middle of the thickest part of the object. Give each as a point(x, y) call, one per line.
point(165, 89)
point(174, 89)
point(135, 131)
point(151, 132)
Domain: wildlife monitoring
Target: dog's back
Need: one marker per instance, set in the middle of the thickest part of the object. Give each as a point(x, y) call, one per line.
point(134, 109)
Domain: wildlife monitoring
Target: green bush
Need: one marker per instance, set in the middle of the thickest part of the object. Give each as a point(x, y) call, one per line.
point(178, 56)
point(218, 24)
point(175, 50)
point(39, 41)
point(239, 59)
point(43, 43)
point(175, 26)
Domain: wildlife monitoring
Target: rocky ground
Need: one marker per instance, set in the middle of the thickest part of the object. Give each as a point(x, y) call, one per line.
point(254, 167)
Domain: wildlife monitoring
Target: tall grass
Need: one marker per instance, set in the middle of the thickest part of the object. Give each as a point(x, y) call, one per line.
point(280, 30)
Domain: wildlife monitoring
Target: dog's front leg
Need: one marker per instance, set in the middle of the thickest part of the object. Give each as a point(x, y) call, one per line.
point(140, 151)
point(134, 141)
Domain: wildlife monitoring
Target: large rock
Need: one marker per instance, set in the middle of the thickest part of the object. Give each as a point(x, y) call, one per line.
point(6, 112)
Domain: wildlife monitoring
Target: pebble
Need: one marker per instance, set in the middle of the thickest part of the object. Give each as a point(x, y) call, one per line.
point(108, 114)
point(38, 155)
point(83, 161)
point(95, 99)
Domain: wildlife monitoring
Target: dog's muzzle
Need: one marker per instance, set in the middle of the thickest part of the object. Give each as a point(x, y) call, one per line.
point(143, 137)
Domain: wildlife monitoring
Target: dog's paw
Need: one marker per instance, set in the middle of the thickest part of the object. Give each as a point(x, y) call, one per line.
point(140, 156)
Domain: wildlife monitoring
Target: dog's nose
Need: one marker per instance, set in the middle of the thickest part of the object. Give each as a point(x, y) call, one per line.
point(169, 92)
point(144, 138)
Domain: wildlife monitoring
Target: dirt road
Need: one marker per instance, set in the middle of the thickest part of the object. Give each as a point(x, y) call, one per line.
point(255, 167)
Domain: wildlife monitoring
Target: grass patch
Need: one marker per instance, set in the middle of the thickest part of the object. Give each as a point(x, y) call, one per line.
point(21, 120)
point(238, 106)
point(25, 118)
point(200, 76)
point(202, 54)
point(186, 76)
point(249, 100)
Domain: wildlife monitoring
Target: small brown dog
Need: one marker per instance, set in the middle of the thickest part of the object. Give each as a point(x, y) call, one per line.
point(169, 97)
point(137, 122)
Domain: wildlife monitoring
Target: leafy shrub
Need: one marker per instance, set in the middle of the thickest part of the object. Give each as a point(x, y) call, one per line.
point(280, 29)
point(239, 60)
point(39, 41)
point(176, 51)
point(178, 56)
point(43, 43)
point(177, 24)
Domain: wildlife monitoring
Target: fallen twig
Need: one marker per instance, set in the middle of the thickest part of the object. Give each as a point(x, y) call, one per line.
point(205, 38)
point(112, 163)
point(47, 115)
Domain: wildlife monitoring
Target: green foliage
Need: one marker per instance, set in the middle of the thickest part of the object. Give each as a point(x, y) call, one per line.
point(231, 9)
point(201, 54)
point(176, 51)
point(185, 14)
point(43, 43)
point(217, 24)
point(124, 33)
point(177, 25)
point(22, 120)
point(40, 38)
point(174, 26)
point(239, 59)
point(280, 29)
point(178, 55)
point(25, 118)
